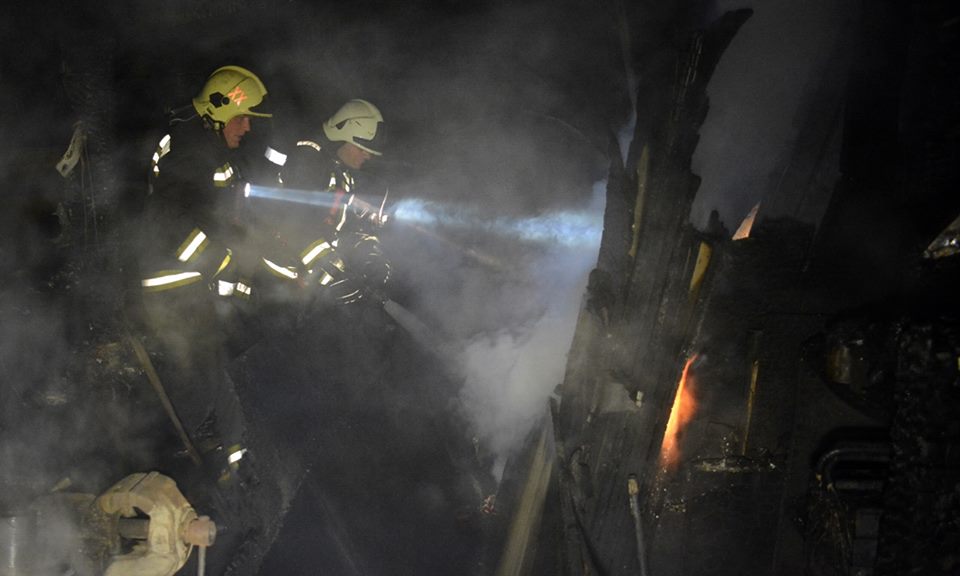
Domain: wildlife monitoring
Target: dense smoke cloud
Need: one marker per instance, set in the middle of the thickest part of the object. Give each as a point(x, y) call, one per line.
point(510, 371)
point(507, 294)
point(33, 355)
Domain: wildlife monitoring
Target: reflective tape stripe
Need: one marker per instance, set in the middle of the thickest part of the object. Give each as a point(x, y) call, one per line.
point(343, 216)
point(343, 212)
point(170, 280)
point(222, 176)
point(194, 244)
point(326, 279)
point(278, 158)
point(225, 288)
point(316, 249)
point(163, 148)
point(280, 270)
point(309, 143)
point(333, 181)
point(236, 456)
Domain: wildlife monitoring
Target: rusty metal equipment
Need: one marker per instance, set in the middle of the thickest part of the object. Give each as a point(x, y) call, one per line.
point(149, 509)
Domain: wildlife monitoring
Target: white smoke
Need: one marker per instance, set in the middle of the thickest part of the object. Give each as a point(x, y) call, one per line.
point(511, 372)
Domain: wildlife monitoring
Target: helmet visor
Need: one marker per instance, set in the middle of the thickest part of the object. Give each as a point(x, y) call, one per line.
point(261, 109)
point(373, 145)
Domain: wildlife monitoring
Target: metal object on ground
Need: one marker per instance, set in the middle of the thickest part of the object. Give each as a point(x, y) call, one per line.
point(633, 493)
point(133, 528)
point(17, 535)
point(200, 532)
point(168, 532)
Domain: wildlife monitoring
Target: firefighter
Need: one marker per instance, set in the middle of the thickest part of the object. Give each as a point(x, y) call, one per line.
point(195, 257)
point(342, 236)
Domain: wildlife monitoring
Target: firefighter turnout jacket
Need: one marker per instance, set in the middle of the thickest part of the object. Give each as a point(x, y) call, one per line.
point(339, 232)
point(197, 227)
point(191, 212)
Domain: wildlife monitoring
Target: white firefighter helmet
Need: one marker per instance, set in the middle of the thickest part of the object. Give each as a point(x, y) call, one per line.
point(230, 91)
point(358, 122)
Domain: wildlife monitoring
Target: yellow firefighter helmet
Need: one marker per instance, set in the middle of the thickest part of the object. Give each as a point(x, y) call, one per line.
point(230, 91)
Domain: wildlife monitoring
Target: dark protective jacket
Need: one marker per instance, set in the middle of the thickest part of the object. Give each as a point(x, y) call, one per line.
point(340, 219)
point(191, 214)
point(198, 227)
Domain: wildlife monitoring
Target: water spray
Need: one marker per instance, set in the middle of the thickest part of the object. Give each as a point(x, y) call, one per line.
point(573, 228)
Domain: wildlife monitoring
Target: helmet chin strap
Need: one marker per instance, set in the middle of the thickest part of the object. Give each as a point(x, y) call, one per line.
point(212, 124)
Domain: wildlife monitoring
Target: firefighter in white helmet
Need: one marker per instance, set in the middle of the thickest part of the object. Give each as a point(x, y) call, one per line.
point(341, 249)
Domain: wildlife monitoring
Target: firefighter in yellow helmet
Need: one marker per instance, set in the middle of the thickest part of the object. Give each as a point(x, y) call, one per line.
point(191, 252)
point(341, 249)
point(192, 203)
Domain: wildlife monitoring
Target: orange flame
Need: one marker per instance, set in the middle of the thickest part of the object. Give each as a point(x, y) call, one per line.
point(684, 406)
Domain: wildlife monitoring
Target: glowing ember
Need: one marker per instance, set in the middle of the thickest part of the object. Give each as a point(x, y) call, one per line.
point(684, 406)
point(744, 230)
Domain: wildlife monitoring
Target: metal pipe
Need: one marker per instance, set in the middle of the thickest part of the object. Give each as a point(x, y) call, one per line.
point(633, 492)
point(134, 528)
point(201, 531)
